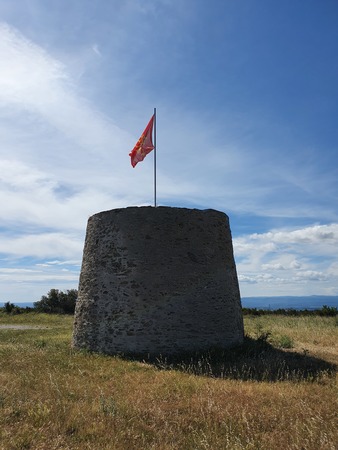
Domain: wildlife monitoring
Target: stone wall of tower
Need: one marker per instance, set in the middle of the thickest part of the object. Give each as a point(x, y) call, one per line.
point(158, 280)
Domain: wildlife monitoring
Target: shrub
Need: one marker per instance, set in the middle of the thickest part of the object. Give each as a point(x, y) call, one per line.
point(57, 302)
point(328, 311)
point(285, 342)
point(8, 307)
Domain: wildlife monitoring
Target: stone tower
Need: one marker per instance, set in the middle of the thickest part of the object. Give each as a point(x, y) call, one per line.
point(158, 280)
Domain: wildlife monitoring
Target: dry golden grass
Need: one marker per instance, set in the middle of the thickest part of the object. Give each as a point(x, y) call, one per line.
point(52, 397)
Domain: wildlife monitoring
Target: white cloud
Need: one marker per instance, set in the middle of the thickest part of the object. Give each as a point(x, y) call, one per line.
point(33, 81)
point(295, 264)
point(296, 257)
point(276, 266)
point(96, 50)
point(62, 263)
point(29, 276)
point(317, 234)
point(35, 198)
point(16, 271)
point(315, 238)
point(42, 245)
point(34, 280)
point(310, 275)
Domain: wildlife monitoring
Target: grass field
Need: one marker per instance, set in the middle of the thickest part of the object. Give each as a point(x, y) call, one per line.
point(278, 391)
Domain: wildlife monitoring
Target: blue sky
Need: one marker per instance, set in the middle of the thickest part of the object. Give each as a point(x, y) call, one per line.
point(247, 110)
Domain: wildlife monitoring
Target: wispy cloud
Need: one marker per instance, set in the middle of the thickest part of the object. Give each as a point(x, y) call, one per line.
point(43, 245)
point(38, 84)
point(289, 257)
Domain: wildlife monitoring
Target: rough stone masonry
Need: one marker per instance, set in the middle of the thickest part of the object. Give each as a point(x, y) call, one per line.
point(158, 281)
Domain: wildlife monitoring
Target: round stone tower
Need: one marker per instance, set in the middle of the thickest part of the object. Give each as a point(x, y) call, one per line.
point(158, 281)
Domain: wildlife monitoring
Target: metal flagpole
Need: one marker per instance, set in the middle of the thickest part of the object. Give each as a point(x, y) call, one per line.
point(155, 157)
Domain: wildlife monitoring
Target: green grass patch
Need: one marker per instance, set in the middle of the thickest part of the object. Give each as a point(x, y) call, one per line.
point(259, 396)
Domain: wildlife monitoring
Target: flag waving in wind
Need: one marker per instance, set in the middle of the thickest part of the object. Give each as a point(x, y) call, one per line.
point(144, 145)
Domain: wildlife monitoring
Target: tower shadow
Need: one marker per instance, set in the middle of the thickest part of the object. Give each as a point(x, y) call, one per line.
point(254, 360)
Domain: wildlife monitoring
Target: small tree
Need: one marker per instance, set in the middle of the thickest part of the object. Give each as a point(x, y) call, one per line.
point(57, 302)
point(68, 301)
point(328, 311)
point(8, 307)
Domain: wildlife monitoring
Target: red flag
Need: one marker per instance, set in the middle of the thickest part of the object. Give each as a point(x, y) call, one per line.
point(144, 145)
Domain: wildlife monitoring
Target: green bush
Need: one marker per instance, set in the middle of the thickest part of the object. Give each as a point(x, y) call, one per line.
point(285, 342)
point(328, 311)
point(10, 308)
point(57, 302)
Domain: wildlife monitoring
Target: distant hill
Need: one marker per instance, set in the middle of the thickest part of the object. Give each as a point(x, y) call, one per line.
point(301, 302)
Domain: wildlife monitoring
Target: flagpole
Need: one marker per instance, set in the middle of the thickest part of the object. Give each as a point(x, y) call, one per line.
point(155, 204)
